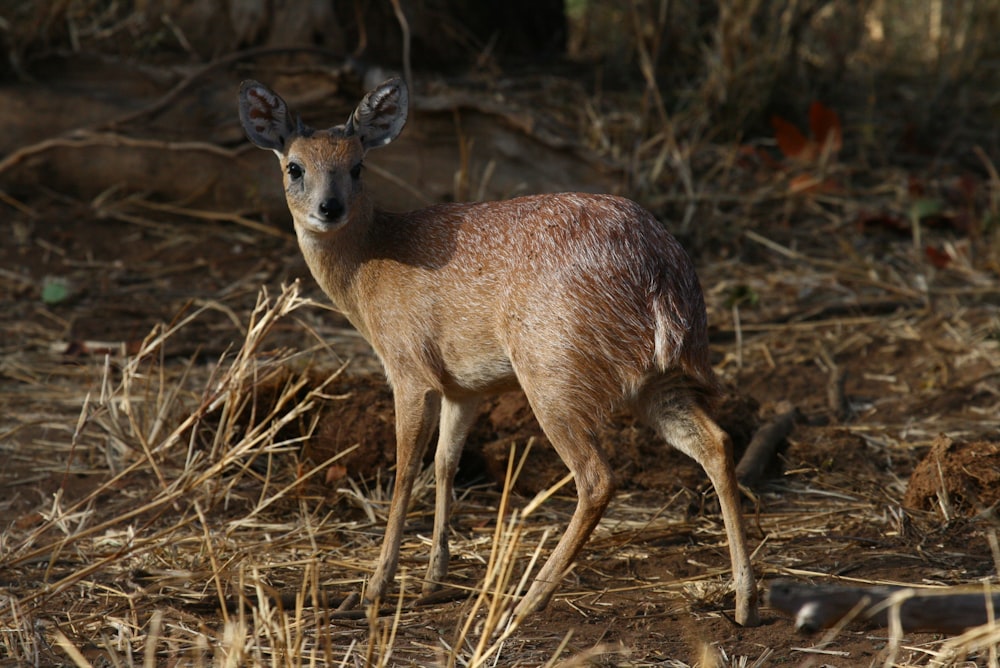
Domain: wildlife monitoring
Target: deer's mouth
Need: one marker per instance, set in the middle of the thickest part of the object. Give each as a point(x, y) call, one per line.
point(323, 225)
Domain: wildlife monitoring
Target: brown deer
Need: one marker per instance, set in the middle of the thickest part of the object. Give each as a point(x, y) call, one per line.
point(583, 301)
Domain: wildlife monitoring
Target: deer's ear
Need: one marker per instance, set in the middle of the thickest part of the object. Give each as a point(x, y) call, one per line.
point(381, 115)
point(266, 118)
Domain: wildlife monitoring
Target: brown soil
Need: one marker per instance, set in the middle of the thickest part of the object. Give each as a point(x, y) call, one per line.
point(610, 599)
point(963, 478)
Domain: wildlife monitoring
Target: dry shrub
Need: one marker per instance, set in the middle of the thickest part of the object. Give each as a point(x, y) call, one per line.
point(727, 65)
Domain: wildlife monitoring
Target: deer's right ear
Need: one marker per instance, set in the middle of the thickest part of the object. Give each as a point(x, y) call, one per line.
point(265, 117)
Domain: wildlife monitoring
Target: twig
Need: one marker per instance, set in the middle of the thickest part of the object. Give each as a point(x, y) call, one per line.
point(214, 215)
point(17, 204)
point(84, 138)
point(835, 265)
point(404, 26)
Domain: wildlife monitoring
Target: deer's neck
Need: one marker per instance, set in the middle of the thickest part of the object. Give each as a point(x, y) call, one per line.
point(337, 261)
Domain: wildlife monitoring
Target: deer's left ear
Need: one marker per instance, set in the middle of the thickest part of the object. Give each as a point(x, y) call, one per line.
point(381, 115)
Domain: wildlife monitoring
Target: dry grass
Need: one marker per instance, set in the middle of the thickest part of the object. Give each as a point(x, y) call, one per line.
point(202, 540)
point(201, 511)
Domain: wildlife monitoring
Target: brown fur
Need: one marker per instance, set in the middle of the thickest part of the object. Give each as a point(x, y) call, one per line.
point(584, 301)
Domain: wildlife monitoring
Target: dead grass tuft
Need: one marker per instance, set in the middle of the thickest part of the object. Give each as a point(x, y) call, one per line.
point(202, 511)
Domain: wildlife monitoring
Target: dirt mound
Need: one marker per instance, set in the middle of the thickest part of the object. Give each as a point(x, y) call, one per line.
point(360, 414)
point(964, 476)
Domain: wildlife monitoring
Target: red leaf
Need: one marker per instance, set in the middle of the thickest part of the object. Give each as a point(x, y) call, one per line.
point(825, 126)
point(938, 258)
point(890, 221)
point(791, 142)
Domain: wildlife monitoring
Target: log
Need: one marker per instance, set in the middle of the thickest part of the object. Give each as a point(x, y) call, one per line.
point(764, 446)
point(945, 610)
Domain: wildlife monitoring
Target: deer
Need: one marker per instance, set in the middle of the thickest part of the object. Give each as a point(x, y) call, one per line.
point(583, 301)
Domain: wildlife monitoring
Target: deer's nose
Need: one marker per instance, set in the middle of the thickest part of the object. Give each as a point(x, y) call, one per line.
point(331, 208)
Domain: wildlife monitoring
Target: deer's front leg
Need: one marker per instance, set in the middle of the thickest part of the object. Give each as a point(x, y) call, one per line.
point(416, 413)
point(456, 419)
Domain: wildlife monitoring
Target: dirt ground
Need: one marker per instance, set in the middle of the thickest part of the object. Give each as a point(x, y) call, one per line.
point(145, 495)
point(838, 505)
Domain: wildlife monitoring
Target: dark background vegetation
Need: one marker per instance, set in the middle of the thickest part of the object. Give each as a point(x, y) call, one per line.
point(913, 80)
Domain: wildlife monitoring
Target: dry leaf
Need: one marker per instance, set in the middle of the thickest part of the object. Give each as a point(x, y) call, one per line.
point(791, 142)
point(335, 473)
point(938, 258)
point(825, 126)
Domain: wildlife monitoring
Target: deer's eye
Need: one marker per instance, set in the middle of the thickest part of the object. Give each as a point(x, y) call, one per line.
point(294, 171)
point(356, 171)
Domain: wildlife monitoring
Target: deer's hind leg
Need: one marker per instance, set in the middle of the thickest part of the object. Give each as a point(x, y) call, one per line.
point(671, 407)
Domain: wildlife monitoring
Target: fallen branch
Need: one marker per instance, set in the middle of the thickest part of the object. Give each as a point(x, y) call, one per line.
point(83, 139)
point(764, 446)
point(944, 610)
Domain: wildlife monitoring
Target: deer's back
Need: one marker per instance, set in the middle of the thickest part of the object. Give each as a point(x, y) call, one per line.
point(591, 284)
